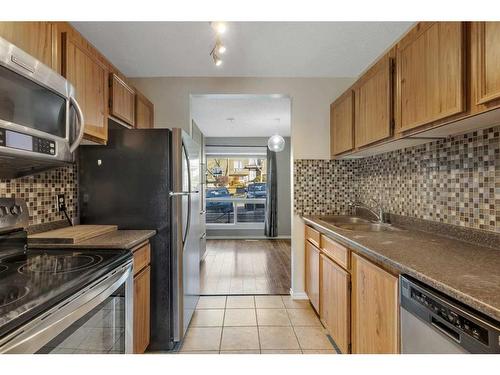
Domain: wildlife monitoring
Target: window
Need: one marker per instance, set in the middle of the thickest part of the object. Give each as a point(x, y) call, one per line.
point(236, 190)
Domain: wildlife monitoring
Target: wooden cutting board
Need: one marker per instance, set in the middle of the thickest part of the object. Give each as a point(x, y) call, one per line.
point(71, 235)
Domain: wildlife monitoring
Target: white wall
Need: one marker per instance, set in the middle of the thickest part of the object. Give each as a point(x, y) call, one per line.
point(310, 97)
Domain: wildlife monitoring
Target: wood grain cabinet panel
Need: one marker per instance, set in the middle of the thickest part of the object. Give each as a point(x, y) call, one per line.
point(335, 302)
point(142, 300)
point(122, 100)
point(144, 112)
point(35, 38)
point(89, 76)
point(486, 42)
point(335, 251)
point(374, 303)
point(430, 74)
point(312, 274)
point(142, 257)
point(342, 124)
point(373, 104)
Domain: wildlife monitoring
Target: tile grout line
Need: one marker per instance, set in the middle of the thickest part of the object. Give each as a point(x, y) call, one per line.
point(223, 321)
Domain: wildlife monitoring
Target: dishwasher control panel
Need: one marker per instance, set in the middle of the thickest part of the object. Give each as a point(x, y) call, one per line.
point(450, 315)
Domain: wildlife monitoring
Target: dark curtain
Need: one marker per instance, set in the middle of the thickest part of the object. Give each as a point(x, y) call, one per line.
point(271, 222)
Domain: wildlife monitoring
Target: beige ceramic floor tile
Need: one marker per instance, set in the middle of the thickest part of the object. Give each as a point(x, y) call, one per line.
point(312, 338)
point(240, 302)
point(325, 351)
point(269, 302)
point(240, 318)
point(272, 317)
point(240, 338)
point(202, 338)
point(212, 302)
point(208, 318)
point(303, 317)
point(291, 303)
point(240, 352)
point(277, 338)
point(200, 352)
point(281, 352)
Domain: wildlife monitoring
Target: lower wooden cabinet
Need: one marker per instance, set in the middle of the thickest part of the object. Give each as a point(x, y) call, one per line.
point(312, 274)
point(374, 303)
point(335, 309)
point(142, 297)
point(142, 310)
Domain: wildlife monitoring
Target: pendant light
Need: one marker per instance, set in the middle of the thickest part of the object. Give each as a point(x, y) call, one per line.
point(276, 142)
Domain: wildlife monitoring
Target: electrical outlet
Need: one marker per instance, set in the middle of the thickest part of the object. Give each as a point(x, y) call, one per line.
point(61, 202)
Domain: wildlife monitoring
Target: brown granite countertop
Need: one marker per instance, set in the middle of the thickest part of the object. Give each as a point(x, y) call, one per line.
point(463, 270)
point(119, 239)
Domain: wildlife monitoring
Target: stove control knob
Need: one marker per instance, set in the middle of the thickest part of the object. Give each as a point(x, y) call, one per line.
point(3, 211)
point(15, 210)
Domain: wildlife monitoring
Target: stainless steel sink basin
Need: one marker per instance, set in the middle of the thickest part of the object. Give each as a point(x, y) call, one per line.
point(334, 220)
point(368, 227)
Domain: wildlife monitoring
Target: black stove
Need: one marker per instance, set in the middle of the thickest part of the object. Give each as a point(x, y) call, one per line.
point(33, 280)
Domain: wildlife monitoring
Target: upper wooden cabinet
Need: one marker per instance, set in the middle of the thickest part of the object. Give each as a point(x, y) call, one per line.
point(373, 104)
point(430, 74)
point(486, 51)
point(144, 112)
point(342, 124)
point(121, 100)
point(35, 38)
point(312, 274)
point(374, 303)
point(82, 67)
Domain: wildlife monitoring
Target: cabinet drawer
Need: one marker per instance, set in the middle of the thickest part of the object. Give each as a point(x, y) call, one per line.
point(312, 235)
point(335, 251)
point(142, 257)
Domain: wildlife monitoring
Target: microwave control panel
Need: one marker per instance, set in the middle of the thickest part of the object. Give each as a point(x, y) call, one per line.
point(20, 141)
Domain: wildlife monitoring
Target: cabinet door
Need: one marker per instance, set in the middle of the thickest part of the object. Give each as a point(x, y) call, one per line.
point(342, 124)
point(430, 71)
point(374, 303)
point(122, 103)
point(373, 105)
point(144, 112)
point(312, 274)
point(487, 52)
point(90, 78)
point(34, 38)
point(334, 299)
point(142, 310)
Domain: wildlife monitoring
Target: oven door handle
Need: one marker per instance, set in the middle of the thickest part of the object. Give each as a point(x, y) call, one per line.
point(79, 114)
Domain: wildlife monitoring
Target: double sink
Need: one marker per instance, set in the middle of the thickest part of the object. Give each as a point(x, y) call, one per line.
point(355, 223)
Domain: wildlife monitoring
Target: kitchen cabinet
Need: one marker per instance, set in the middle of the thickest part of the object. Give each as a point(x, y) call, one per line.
point(144, 112)
point(335, 302)
point(142, 297)
point(89, 76)
point(486, 51)
point(312, 254)
point(342, 124)
point(35, 38)
point(430, 73)
point(374, 303)
point(121, 100)
point(373, 104)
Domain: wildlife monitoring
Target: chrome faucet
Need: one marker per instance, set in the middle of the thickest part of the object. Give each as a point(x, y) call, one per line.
point(376, 210)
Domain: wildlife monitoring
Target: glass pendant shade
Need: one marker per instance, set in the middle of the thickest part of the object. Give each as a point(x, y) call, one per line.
point(276, 143)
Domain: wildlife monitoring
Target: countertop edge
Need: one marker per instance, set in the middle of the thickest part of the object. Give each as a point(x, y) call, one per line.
point(401, 268)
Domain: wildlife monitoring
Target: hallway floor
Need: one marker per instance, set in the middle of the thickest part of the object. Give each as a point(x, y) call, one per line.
point(255, 325)
point(235, 267)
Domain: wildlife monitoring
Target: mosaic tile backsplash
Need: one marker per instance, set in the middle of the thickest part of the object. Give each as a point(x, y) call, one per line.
point(40, 191)
point(454, 181)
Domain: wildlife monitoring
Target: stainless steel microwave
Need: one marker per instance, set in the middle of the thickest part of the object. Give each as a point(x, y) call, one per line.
point(41, 123)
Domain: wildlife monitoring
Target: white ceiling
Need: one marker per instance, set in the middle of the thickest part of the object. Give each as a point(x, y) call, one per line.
point(253, 115)
point(254, 49)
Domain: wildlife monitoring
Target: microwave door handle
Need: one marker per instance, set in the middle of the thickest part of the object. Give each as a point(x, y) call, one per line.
point(79, 114)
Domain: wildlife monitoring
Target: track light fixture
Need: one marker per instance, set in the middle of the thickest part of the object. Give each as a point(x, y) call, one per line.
point(219, 48)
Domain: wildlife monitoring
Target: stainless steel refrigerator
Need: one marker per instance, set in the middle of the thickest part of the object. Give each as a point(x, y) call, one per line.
point(150, 179)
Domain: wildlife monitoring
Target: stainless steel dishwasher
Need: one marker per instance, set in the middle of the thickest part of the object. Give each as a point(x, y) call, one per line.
point(432, 323)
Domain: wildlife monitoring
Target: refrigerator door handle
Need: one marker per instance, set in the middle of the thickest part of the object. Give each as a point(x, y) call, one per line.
point(188, 224)
point(178, 193)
